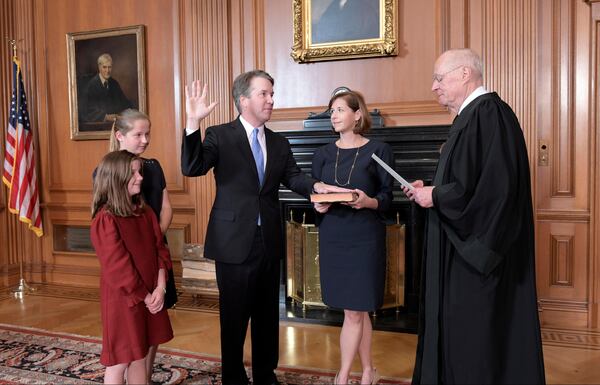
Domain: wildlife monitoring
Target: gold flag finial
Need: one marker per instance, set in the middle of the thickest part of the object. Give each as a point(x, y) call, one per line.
point(13, 45)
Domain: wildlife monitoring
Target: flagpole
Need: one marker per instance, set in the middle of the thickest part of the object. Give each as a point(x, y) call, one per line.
point(23, 288)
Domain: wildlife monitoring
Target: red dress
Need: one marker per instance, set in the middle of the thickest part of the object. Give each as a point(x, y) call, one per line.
point(131, 251)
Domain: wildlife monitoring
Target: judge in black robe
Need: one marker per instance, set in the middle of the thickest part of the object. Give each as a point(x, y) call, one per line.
point(478, 315)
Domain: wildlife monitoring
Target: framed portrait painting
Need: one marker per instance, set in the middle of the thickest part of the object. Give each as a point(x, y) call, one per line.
point(343, 29)
point(106, 76)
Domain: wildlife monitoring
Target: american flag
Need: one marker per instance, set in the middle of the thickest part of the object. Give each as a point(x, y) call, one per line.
point(19, 159)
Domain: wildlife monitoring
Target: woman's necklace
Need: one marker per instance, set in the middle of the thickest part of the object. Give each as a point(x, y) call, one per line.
point(337, 156)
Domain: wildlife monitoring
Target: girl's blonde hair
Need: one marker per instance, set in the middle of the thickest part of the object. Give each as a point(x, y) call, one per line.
point(124, 123)
point(110, 185)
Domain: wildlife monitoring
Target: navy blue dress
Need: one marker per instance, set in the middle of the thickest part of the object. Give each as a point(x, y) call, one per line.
point(352, 242)
point(153, 184)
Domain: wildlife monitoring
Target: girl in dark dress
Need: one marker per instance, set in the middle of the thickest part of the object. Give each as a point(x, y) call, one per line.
point(131, 132)
point(133, 262)
point(352, 235)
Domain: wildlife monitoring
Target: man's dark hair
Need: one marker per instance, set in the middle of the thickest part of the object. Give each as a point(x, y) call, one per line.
point(241, 85)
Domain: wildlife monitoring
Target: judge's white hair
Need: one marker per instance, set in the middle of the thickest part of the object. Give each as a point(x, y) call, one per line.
point(466, 57)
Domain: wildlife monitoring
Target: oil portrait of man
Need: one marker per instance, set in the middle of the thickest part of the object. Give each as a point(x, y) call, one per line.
point(107, 76)
point(335, 21)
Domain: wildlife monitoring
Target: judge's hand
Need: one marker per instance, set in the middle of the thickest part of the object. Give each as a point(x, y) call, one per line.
point(322, 208)
point(196, 107)
point(363, 201)
point(323, 188)
point(421, 195)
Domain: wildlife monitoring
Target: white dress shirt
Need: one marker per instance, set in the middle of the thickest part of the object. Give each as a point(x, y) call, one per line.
point(261, 138)
point(475, 94)
point(248, 127)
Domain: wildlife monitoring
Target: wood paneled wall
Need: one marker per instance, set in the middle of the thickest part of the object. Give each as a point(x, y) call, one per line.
point(564, 185)
point(594, 129)
point(541, 56)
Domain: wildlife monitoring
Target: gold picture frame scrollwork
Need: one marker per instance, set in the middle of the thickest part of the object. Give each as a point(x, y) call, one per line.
point(382, 43)
point(106, 73)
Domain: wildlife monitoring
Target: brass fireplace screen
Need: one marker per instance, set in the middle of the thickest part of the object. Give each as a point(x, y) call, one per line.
point(303, 280)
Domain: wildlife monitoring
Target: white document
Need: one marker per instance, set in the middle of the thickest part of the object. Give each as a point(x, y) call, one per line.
point(393, 173)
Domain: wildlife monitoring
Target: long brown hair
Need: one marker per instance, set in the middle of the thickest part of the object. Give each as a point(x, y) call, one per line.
point(124, 123)
point(110, 185)
point(356, 102)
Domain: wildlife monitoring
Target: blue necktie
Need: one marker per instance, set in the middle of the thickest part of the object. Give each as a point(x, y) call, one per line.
point(258, 156)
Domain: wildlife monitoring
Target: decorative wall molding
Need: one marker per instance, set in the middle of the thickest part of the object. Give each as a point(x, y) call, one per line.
point(581, 216)
point(563, 305)
point(582, 339)
point(442, 15)
point(425, 107)
point(563, 72)
point(561, 261)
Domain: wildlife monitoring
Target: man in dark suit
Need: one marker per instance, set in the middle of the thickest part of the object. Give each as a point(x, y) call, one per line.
point(244, 234)
point(102, 96)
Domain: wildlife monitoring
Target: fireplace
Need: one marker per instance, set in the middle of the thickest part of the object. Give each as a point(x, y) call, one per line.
point(416, 152)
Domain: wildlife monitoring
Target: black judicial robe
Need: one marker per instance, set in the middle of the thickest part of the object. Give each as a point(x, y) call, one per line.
point(478, 313)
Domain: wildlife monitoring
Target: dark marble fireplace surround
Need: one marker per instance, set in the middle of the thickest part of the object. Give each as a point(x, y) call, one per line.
point(416, 152)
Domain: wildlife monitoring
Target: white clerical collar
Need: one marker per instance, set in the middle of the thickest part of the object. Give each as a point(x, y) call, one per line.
point(249, 128)
point(475, 94)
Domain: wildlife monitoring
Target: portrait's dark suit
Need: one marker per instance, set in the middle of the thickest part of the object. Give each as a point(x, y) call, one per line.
point(99, 100)
point(247, 256)
point(355, 20)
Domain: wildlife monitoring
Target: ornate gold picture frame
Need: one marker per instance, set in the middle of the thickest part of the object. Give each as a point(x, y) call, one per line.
point(106, 75)
point(344, 29)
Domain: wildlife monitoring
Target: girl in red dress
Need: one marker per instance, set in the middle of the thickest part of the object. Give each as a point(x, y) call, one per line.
point(131, 132)
point(133, 262)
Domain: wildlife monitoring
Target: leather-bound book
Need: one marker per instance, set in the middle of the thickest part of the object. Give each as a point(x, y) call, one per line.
point(333, 197)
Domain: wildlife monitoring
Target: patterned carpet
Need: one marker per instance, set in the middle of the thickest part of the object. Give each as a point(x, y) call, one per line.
point(35, 356)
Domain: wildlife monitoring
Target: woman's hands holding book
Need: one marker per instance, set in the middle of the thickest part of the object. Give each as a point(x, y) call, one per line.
point(362, 201)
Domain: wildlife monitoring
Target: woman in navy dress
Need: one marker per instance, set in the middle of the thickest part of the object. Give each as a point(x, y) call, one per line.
point(352, 235)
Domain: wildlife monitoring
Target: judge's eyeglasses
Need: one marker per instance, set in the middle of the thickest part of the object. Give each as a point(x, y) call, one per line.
point(439, 77)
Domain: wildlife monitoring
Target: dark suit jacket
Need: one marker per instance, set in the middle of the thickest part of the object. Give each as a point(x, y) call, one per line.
point(239, 198)
point(99, 101)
